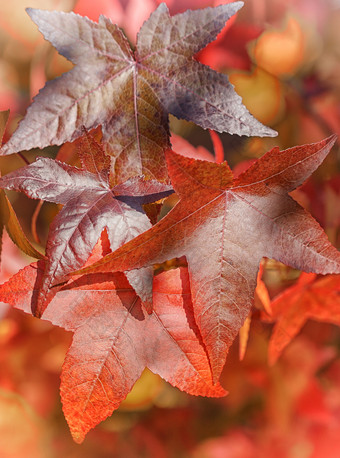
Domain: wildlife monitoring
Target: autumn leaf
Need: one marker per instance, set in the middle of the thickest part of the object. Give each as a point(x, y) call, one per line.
point(183, 147)
point(130, 94)
point(90, 206)
point(115, 339)
point(310, 298)
point(224, 227)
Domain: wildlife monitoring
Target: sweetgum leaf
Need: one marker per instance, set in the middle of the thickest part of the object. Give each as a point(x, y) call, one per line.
point(224, 227)
point(90, 206)
point(130, 94)
point(93, 157)
point(114, 339)
point(310, 298)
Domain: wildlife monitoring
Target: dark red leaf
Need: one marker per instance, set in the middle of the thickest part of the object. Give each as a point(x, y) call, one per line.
point(225, 227)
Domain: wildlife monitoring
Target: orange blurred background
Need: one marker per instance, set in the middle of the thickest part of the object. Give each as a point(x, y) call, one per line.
point(283, 59)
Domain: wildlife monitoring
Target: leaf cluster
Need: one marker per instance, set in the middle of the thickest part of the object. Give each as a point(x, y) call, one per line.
point(181, 322)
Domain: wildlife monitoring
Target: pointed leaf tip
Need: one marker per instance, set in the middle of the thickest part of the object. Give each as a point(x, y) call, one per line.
point(202, 225)
point(162, 6)
point(210, 100)
point(237, 5)
point(31, 12)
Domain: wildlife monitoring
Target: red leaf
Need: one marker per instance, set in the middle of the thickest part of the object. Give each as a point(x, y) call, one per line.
point(90, 206)
point(311, 298)
point(225, 227)
point(130, 95)
point(114, 339)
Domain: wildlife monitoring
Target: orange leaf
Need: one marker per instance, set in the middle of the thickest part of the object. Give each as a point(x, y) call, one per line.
point(311, 298)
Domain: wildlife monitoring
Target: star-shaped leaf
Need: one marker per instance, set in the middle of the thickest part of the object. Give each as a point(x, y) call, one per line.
point(114, 339)
point(310, 298)
point(130, 94)
point(225, 227)
point(90, 206)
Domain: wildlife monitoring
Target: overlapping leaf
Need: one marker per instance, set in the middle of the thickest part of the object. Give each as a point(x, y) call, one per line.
point(311, 298)
point(130, 94)
point(90, 205)
point(225, 227)
point(115, 339)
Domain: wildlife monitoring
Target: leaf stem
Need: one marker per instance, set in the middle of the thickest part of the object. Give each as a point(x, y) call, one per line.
point(24, 159)
point(34, 221)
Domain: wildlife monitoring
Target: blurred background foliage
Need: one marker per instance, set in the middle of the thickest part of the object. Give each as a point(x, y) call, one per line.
point(283, 56)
